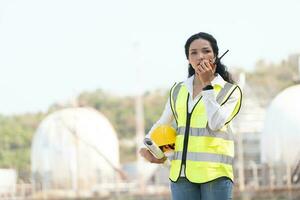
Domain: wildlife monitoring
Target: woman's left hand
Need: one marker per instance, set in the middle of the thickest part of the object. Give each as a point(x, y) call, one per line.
point(148, 156)
point(206, 72)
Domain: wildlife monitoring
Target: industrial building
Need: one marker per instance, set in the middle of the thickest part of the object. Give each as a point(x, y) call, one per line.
point(74, 152)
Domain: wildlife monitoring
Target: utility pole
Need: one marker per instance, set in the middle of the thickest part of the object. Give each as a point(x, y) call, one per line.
point(254, 168)
point(77, 174)
point(77, 150)
point(139, 119)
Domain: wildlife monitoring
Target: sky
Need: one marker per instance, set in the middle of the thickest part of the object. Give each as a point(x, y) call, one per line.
point(51, 51)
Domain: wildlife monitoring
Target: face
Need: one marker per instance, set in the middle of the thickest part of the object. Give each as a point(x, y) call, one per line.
point(200, 50)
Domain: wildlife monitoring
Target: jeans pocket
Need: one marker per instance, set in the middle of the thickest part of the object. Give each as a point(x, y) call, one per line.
point(222, 184)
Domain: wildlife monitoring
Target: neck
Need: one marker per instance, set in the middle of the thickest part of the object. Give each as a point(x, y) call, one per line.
point(197, 82)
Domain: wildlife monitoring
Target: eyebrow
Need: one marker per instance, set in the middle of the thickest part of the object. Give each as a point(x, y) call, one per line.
point(201, 48)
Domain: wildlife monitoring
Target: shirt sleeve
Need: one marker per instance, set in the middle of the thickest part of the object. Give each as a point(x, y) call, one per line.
point(218, 115)
point(165, 119)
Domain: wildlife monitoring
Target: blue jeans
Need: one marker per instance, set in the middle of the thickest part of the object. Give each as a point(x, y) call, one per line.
point(218, 189)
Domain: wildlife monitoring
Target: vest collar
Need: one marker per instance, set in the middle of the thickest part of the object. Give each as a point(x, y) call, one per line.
point(218, 80)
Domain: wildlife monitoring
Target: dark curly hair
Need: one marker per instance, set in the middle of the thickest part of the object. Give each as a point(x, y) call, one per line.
point(220, 69)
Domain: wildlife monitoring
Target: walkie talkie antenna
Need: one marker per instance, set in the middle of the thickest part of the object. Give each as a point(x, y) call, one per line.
point(218, 59)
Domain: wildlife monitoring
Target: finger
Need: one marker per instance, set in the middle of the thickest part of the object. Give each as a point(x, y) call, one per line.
point(197, 69)
point(205, 68)
point(201, 67)
point(207, 65)
point(212, 64)
point(200, 71)
point(158, 161)
point(146, 154)
point(141, 151)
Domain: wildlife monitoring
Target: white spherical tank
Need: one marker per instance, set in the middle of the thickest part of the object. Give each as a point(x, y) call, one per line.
point(74, 149)
point(280, 140)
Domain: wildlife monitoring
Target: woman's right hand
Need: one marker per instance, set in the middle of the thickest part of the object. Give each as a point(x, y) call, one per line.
point(148, 156)
point(205, 72)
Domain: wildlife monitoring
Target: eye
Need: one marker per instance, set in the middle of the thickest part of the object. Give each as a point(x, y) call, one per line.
point(207, 51)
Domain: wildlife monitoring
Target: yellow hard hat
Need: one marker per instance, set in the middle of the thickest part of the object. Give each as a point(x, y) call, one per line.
point(163, 135)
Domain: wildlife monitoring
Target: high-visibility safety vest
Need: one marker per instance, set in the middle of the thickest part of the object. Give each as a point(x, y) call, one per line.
point(206, 154)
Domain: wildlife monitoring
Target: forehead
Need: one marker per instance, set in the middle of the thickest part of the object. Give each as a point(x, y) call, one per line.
point(200, 44)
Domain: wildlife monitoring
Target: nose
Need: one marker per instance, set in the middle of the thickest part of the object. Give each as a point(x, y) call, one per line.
point(201, 56)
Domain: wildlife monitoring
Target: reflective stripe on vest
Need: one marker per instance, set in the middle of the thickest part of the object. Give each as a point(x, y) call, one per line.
point(204, 157)
point(205, 132)
point(209, 153)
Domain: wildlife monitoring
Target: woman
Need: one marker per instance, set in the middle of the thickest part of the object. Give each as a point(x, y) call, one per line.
point(202, 106)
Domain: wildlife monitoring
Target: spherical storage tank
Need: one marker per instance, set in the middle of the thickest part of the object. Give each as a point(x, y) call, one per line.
point(281, 134)
point(74, 149)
